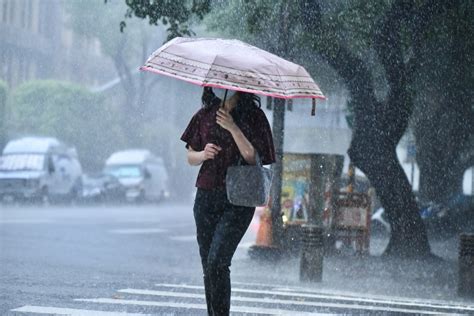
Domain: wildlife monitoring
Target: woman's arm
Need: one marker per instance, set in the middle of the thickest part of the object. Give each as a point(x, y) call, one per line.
point(246, 148)
point(195, 158)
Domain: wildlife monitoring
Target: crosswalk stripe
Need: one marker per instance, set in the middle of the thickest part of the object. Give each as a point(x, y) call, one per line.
point(70, 311)
point(377, 298)
point(183, 238)
point(332, 297)
point(246, 245)
point(279, 301)
point(133, 231)
point(235, 309)
point(26, 221)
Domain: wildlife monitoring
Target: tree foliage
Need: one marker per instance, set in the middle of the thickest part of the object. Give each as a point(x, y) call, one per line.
point(260, 23)
point(68, 112)
point(127, 51)
point(176, 14)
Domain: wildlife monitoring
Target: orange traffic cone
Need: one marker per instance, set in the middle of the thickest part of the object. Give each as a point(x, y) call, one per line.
point(264, 234)
point(264, 248)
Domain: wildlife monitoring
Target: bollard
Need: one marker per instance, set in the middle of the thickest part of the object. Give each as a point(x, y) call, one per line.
point(466, 266)
point(312, 253)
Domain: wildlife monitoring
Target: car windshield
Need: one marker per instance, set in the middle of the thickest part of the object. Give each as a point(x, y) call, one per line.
point(124, 171)
point(20, 162)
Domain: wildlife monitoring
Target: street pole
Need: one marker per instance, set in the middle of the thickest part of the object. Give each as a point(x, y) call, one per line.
point(278, 136)
point(316, 189)
point(279, 133)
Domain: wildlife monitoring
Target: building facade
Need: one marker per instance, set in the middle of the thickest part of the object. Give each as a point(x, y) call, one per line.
point(36, 43)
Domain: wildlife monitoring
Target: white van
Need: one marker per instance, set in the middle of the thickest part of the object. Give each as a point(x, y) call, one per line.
point(143, 174)
point(39, 168)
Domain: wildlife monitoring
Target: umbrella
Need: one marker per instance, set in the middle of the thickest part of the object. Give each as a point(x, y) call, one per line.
point(234, 65)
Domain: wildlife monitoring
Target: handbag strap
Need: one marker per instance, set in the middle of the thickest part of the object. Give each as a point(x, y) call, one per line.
point(258, 160)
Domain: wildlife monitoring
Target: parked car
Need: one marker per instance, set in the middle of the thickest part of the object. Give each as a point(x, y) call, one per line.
point(39, 168)
point(143, 174)
point(102, 188)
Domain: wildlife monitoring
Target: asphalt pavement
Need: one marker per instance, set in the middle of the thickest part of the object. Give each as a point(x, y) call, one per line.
point(143, 260)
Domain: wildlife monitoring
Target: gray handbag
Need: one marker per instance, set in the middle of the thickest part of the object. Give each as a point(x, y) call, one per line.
point(248, 185)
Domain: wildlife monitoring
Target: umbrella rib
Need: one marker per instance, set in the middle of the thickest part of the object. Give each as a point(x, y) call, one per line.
point(187, 58)
point(210, 67)
point(276, 67)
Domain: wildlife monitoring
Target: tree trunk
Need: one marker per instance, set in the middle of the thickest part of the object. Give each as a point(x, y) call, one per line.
point(373, 150)
point(130, 115)
point(379, 126)
point(380, 164)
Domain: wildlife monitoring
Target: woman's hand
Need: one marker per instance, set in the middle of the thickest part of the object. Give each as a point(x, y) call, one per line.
point(225, 120)
point(210, 151)
point(195, 158)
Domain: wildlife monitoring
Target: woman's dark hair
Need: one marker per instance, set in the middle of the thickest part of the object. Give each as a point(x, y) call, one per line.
point(209, 99)
point(249, 99)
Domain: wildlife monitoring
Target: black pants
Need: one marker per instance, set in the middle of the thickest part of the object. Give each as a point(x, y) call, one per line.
point(220, 227)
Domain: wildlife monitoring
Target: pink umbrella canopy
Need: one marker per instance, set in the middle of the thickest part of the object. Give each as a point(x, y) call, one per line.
point(232, 64)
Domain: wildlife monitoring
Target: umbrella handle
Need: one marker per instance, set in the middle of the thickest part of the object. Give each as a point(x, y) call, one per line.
point(225, 97)
point(313, 108)
point(218, 129)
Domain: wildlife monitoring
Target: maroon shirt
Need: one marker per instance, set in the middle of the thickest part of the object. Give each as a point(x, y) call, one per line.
point(203, 130)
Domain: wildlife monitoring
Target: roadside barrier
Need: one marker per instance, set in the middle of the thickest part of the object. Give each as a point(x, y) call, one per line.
point(311, 264)
point(466, 265)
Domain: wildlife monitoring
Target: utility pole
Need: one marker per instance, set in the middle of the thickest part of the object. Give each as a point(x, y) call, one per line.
point(279, 133)
point(278, 136)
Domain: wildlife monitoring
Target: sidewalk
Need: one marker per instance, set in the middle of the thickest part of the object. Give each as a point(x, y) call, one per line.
point(372, 276)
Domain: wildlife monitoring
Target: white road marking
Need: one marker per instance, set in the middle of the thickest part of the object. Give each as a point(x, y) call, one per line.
point(246, 245)
point(235, 309)
point(70, 311)
point(183, 238)
point(332, 297)
point(138, 220)
point(360, 297)
point(134, 231)
point(266, 300)
point(26, 221)
point(186, 238)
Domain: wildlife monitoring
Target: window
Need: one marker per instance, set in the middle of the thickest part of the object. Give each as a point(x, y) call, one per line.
point(4, 11)
point(23, 16)
point(29, 17)
point(17, 162)
point(12, 12)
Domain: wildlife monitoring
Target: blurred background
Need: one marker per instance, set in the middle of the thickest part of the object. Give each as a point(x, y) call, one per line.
point(67, 72)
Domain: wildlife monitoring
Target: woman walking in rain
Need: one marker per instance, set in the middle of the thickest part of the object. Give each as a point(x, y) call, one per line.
point(216, 138)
